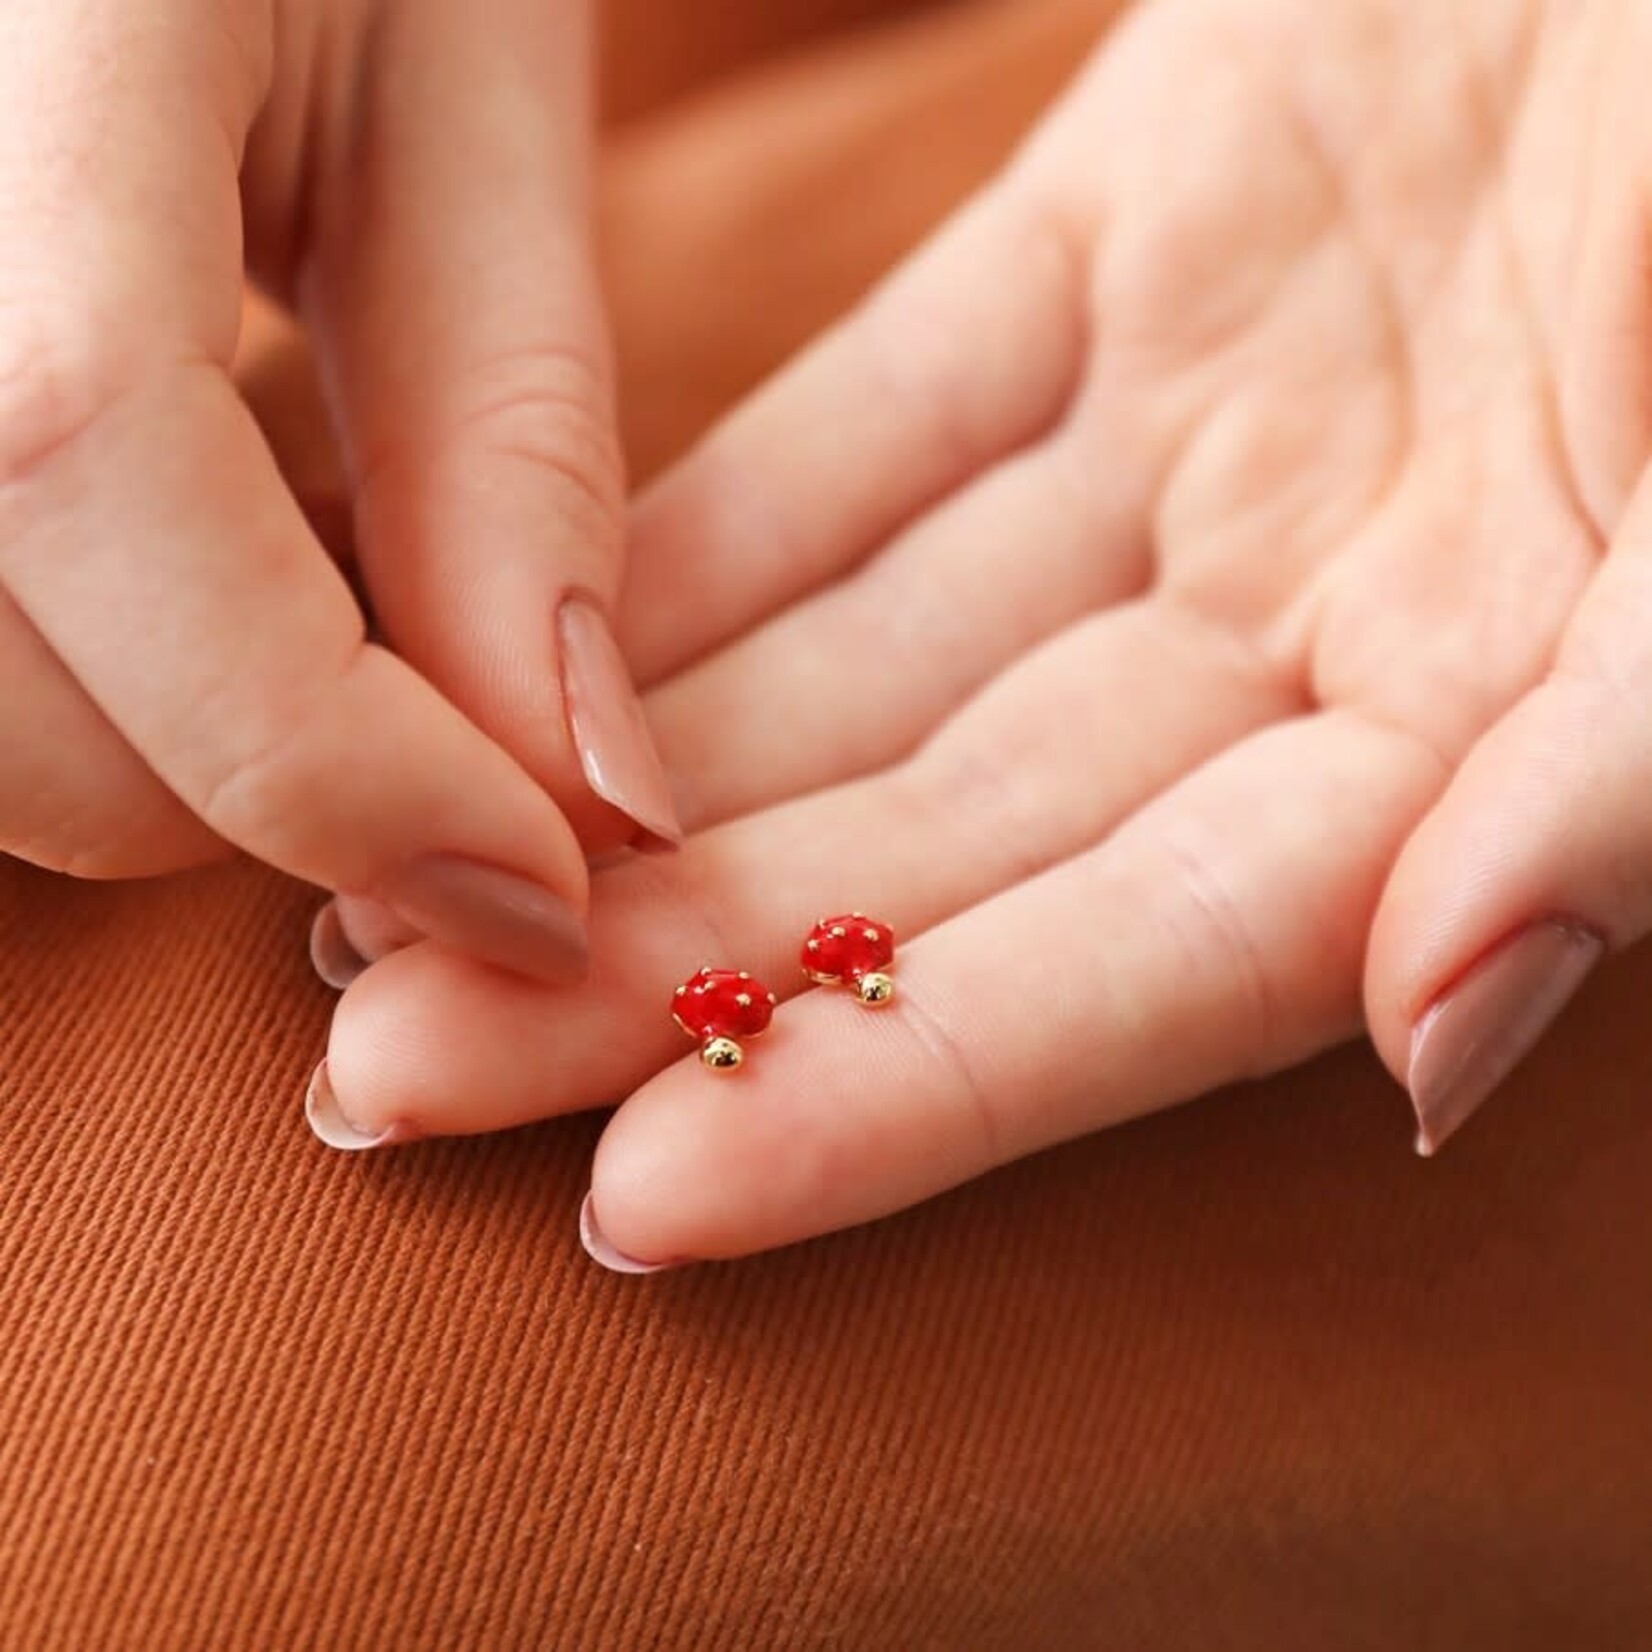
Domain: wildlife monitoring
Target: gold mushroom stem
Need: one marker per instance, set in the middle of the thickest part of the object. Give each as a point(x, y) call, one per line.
point(875, 989)
point(722, 1055)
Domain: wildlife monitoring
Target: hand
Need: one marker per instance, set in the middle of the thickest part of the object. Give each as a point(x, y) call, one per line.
point(1205, 589)
point(182, 668)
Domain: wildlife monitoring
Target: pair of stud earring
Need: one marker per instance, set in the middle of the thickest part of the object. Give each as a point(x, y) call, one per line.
point(719, 1008)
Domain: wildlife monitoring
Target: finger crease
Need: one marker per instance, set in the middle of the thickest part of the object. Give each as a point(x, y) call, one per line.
point(947, 1051)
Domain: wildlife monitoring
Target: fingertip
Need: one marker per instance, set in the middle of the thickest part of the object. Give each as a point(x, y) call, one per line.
point(333, 1127)
point(717, 1165)
point(602, 1250)
point(1504, 849)
point(1486, 1021)
point(642, 1168)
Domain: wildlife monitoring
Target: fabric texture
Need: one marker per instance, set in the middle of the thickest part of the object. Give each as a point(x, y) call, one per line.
point(1247, 1375)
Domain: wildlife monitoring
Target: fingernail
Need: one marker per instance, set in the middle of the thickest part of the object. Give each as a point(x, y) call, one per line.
point(336, 961)
point(371, 928)
point(1476, 1033)
point(491, 914)
point(332, 1127)
point(351, 933)
point(606, 720)
point(598, 1248)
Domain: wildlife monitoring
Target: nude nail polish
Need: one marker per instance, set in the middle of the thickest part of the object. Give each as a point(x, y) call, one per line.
point(330, 1126)
point(334, 959)
point(606, 720)
point(603, 1253)
point(1478, 1031)
point(491, 914)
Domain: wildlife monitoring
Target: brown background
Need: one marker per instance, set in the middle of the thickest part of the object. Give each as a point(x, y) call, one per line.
point(1244, 1376)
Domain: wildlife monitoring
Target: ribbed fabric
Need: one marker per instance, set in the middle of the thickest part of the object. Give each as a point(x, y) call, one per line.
point(1246, 1376)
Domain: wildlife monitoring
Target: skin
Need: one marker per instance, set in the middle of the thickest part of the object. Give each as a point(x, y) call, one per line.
point(1197, 601)
point(185, 670)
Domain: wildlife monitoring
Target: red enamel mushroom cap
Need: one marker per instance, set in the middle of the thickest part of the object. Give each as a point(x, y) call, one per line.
point(846, 948)
point(722, 1003)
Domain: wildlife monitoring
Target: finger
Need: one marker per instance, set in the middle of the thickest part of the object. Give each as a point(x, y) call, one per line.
point(1217, 936)
point(350, 934)
point(160, 558)
point(457, 302)
point(1008, 788)
point(1537, 861)
point(74, 796)
point(969, 352)
point(275, 375)
point(1008, 561)
point(145, 532)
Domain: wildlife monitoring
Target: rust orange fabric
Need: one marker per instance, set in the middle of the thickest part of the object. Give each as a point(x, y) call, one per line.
point(1243, 1376)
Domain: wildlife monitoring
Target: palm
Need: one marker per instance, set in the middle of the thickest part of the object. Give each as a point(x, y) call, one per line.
point(1335, 263)
point(1105, 605)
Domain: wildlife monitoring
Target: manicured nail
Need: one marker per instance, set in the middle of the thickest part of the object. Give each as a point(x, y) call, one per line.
point(351, 933)
point(1477, 1032)
point(606, 720)
point(598, 1248)
point(336, 961)
point(491, 914)
point(332, 1127)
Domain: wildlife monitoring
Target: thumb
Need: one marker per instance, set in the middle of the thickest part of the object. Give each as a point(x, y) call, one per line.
point(1535, 863)
point(453, 291)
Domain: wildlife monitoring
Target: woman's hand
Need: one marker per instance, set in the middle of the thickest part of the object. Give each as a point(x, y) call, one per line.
point(1205, 591)
point(181, 665)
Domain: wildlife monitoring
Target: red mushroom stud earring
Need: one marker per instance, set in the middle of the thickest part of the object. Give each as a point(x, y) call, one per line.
point(718, 1008)
point(854, 951)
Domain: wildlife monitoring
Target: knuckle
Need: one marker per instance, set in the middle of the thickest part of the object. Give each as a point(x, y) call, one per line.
point(546, 406)
point(252, 797)
point(978, 1111)
point(265, 791)
point(917, 368)
point(1210, 924)
point(54, 387)
point(934, 353)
